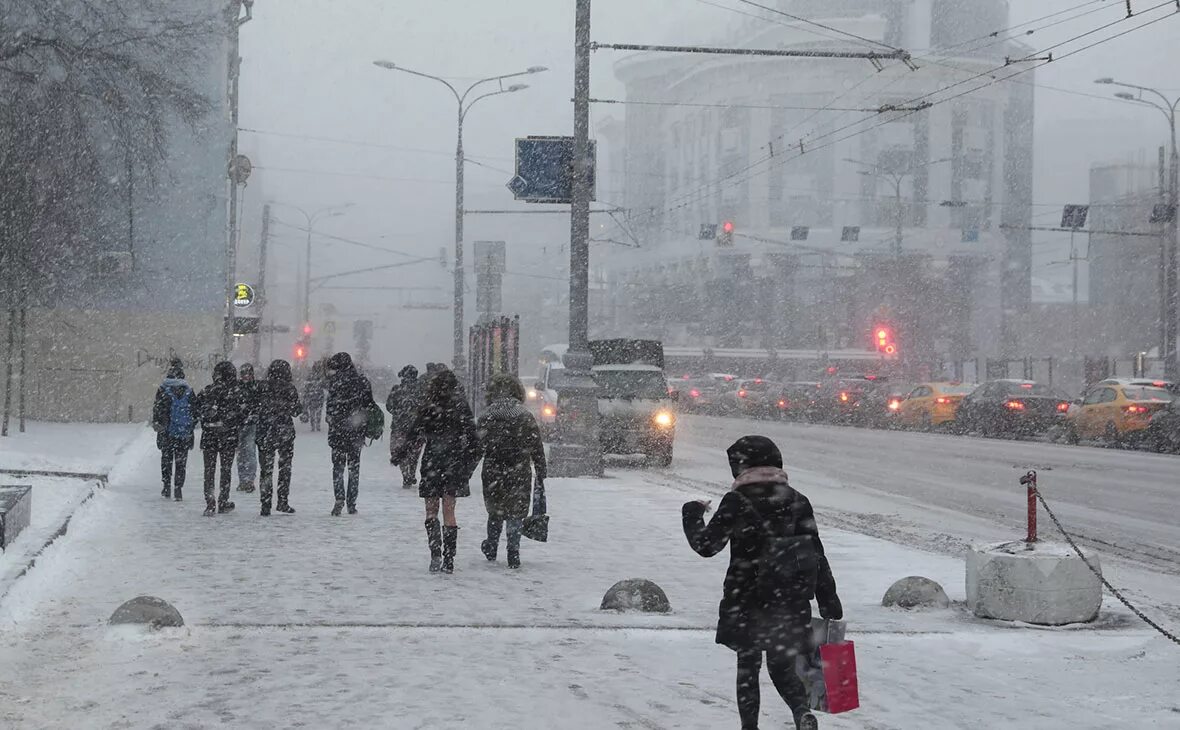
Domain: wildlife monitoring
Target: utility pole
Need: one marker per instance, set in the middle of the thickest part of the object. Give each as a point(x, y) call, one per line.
point(262, 250)
point(235, 173)
point(578, 452)
point(1074, 314)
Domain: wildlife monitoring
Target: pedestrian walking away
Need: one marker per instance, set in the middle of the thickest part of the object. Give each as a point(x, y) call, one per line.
point(776, 566)
point(219, 408)
point(278, 403)
point(449, 459)
point(403, 403)
point(350, 396)
point(510, 440)
point(313, 393)
point(247, 436)
point(173, 420)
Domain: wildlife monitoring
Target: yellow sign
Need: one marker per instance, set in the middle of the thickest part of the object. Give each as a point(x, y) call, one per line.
point(243, 295)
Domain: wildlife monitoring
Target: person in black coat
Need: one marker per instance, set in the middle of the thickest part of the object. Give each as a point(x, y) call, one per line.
point(512, 448)
point(220, 409)
point(751, 621)
point(278, 403)
point(403, 403)
point(452, 452)
point(349, 397)
point(173, 420)
point(248, 433)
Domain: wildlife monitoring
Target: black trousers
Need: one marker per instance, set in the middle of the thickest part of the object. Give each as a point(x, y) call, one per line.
point(226, 453)
point(266, 456)
point(781, 667)
point(315, 412)
point(173, 456)
point(350, 457)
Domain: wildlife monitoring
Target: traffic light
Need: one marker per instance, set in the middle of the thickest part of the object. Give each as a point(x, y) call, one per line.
point(300, 351)
point(883, 337)
point(307, 329)
point(725, 234)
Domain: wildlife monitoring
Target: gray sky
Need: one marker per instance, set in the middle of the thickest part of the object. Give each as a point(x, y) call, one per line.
point(308, 71)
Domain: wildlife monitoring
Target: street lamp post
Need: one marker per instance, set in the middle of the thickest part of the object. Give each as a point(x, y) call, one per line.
point(331, 211)
point(1169, 296)
point(463, 106)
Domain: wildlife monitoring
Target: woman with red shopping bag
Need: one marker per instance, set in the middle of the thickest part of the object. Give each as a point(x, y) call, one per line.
point(776, 566)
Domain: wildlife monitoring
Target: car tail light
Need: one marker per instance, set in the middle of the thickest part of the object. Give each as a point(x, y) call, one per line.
point(1014, 405)
point(843, 397)
point(894, 404)
point(549, 411)
point(782, 404)
point(1026, 386)
point(1159, 383)
point(942, 401)
point(695, 393)
point(758, 380)
point(1063, 407)
point(741, 394)
point(1133, 409)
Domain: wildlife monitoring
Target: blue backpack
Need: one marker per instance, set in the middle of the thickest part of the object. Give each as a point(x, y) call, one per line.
point(180, 419)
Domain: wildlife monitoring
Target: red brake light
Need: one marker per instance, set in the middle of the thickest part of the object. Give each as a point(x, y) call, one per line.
point(1062, 407)
point(1135, 409)
point(782, 404)
point(894, 404)
point(757, 380)
point(1159, 383)
point(695, 393)
point(741, 394)
point(1026, 386)
point(843, 397)
point(1014, 405)
point(870, 377)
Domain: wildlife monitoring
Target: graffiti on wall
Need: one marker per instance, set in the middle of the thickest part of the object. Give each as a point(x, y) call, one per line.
point(146, 357)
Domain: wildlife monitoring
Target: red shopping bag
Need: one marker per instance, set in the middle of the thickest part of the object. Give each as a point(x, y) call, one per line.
point(839, 664)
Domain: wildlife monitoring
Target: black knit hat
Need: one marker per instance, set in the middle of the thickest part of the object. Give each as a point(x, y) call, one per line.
point(749, 452)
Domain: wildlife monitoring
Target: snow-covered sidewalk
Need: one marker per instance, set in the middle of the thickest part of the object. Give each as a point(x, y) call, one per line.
point(316, 621)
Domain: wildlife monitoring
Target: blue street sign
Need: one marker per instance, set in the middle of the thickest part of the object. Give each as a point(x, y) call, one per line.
point(544, 170)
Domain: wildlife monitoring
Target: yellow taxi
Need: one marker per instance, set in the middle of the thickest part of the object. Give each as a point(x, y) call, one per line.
point(1117, 410)
point(931, 404)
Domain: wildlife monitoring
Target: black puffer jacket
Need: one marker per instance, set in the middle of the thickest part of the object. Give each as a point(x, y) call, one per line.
point(220, 409)
point(511, 443)
point(278, 403)
point(349, 397)
point(404, 401)
point(446, 424)
point(761, 499)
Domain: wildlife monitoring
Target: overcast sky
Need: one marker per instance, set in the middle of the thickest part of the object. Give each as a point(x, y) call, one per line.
point(308, 71)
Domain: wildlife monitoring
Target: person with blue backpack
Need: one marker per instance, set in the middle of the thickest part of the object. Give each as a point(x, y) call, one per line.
point(173, 421)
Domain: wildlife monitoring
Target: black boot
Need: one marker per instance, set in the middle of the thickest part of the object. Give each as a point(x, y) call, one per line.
point(210, 508)
point(285, 508)
point(177, 495)
point(434, 540)
point(450, 542)
point(337, 508)
point(225, 506)
point(167, 492)
point(490, 546)
point(514, 528)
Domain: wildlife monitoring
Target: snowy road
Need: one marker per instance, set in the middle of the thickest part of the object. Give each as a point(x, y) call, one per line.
point(1124, 503)
point(315, 621)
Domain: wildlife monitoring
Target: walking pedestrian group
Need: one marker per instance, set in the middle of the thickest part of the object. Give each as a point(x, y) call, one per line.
point(777, 564)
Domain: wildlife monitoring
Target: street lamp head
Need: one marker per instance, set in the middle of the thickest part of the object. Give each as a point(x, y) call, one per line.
point(1104, 80)
point(536, 69)
point(517, 87)
point(385, 64)
point(1126, 95)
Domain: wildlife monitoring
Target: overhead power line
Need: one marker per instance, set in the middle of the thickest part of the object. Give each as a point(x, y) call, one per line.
point(635, 102)
point(854, 36)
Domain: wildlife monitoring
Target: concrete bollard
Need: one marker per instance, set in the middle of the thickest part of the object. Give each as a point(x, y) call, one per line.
point(1037, 583)
point(916, 592)
point(154, 612)
point(636, 594)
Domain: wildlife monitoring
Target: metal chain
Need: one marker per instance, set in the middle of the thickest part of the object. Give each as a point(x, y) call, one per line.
point(1114, 591)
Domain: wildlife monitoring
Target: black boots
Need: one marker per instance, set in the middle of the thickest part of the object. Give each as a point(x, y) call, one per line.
point(490, 546)
point(225, 506)
point(450, 540)
point(514, 527)
point(177, 496)
point(167, 492)
point(285, 508)
point(339, 506)
point(434, 540)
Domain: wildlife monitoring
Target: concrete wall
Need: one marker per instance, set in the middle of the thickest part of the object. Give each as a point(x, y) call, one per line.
point(105, 365)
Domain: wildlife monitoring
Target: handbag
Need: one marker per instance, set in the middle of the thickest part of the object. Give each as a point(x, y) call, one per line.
point(829, 672)
point(536, 525)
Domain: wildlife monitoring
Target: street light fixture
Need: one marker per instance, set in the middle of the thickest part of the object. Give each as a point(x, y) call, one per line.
point(464, 106)
point(1169, 292)
point(331, 211)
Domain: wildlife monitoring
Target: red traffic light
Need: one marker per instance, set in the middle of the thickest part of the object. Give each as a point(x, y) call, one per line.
point(307, 328)
point(300, 351)
point(727, 227)
point(884, 340)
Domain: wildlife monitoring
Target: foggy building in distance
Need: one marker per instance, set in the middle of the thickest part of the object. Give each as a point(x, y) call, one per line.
point(143, 279)
point(1125, 270)
point(823, 184)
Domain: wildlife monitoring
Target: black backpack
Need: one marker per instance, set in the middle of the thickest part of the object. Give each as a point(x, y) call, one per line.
point(788, 563)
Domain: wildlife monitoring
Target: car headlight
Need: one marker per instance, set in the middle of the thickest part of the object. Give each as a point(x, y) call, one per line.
point(531, 395)
point(664, 419)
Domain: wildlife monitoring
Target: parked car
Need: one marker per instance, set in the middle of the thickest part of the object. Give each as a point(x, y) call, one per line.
point(1116, 410)
point(932, 405)
point(1012, 408)
point(1163, 431)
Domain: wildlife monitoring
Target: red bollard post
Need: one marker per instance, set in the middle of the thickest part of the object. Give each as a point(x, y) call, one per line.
point(1030, 480)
